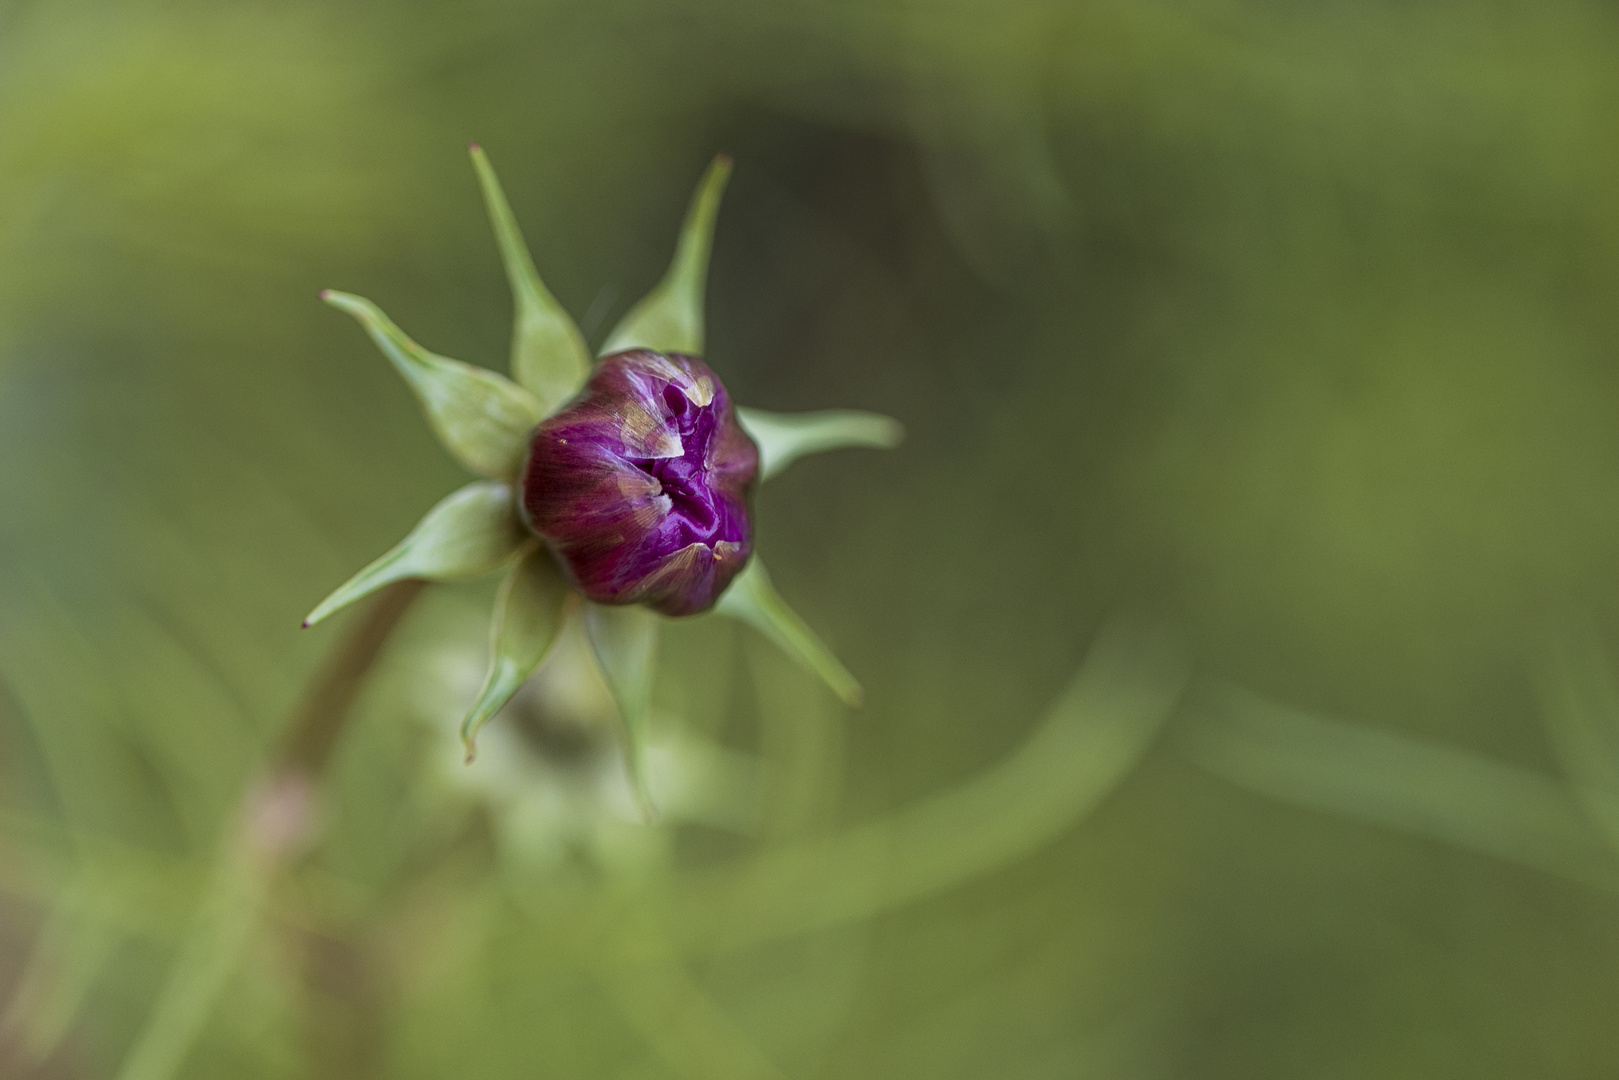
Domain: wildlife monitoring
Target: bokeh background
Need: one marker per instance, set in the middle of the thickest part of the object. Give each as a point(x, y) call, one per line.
point(1294, 326)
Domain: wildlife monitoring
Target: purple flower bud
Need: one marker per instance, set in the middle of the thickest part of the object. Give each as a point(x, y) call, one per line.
point(640, 485)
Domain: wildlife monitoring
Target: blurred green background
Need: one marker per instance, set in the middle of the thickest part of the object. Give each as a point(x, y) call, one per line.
point(1295, 325)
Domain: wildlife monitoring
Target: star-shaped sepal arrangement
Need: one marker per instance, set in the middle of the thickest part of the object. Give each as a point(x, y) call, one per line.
point(616, 492)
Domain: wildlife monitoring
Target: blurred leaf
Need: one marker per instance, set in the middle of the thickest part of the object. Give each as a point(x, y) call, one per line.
point(784, 438)
point(528, 615)
point(1096, 731)
point(801, 744)
point(97, 765)
point(221, 925)
point(1580, 703)
point(137, 891)
point(625, 640)
point(696, 781)
point(549, 356)
point(670, 317)
point(473, 531)
point(191, 720)
point(68, 955)
point(752, 599)
point(993, 177)
point(481, 418)
point(642, 974)
point(1433, 791)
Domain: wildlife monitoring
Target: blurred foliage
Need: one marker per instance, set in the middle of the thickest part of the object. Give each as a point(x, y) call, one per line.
point(1294, 323)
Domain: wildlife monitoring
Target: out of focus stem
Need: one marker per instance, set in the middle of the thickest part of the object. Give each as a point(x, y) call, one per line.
point(275, 823)
point(315, 727)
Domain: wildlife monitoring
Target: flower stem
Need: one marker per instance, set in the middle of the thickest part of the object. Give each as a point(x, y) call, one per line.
point(313, 733)
point(275, 823)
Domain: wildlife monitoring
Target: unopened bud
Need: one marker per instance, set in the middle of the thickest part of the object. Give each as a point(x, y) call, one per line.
point(641, 484)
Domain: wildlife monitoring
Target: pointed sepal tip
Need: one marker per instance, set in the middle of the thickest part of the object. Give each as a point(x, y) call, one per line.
point(753, 599)
point(670, 317)
point(481, 418)
point(783, 438)
point(549, 357)
point(471, 532)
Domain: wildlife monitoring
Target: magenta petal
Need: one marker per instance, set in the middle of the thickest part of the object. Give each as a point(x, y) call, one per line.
point(640, 485)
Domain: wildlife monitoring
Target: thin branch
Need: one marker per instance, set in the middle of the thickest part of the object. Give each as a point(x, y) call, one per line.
point(319, 720)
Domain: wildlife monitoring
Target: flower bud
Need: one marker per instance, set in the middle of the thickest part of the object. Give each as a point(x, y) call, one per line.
point(640, 485)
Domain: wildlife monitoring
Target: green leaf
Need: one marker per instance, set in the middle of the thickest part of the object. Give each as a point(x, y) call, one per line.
point(484, 420)
point(1091, 739)
point(549, 357)
point(625, 639)
point(752, 599)
point(1402, 783)
point(670, 317)
point(784, 438)
point(474, 531)
point(528, 617)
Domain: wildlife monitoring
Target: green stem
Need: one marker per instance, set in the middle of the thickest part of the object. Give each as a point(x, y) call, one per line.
point(275, 823)
point(313, 733)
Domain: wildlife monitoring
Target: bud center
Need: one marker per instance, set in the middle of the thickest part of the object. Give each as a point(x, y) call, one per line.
point(685, 479)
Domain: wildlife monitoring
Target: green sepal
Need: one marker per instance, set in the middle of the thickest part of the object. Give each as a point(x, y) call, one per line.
point(625, 640)
point(752, 599)
point(474, 531)
point(670, 317)
point(549, 357)
point(528, 618)
point(783, 438)
point(483, 419)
